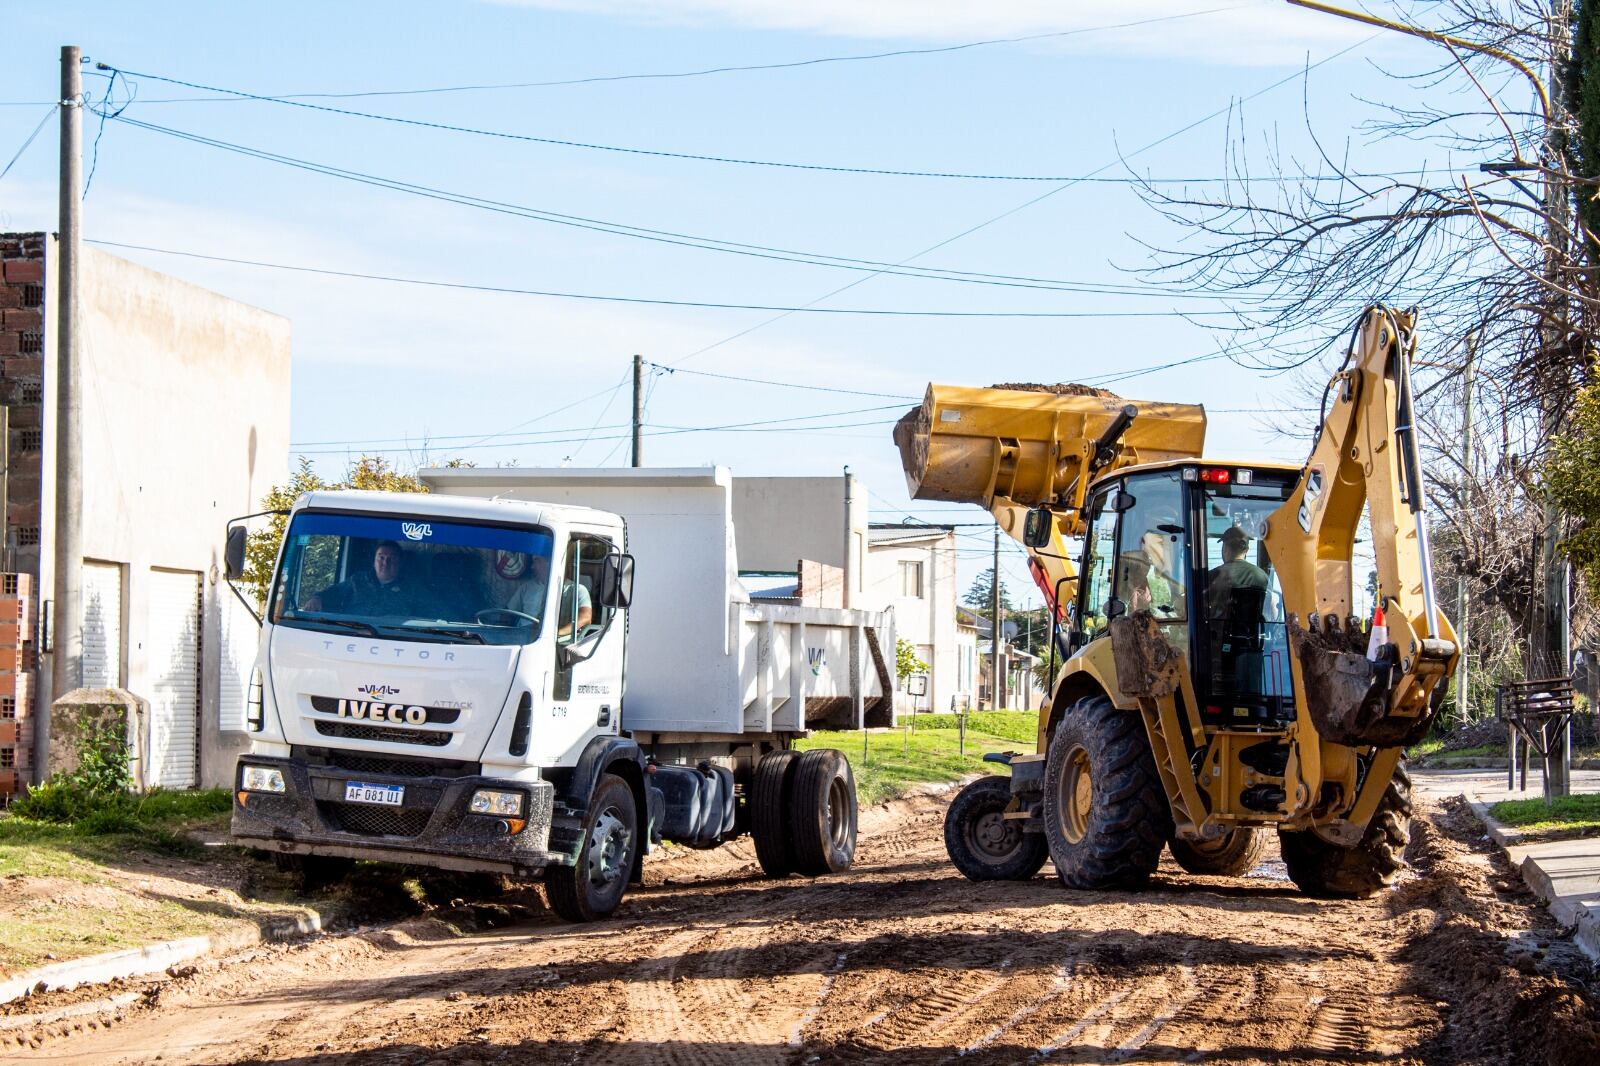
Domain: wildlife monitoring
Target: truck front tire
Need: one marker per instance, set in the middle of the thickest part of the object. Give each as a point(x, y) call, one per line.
point(1106, 816)
point(1321, 868)
point(592, 888)
point(984, 845)
point(769, 812)
point(822, 813)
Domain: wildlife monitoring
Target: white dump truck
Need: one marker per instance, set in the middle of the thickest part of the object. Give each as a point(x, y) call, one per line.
point(545, 686)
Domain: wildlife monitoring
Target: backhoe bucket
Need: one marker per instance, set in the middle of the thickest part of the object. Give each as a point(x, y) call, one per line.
point(1347, 694)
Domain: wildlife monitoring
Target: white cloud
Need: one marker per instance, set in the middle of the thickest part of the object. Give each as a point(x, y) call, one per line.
point(1222, 31)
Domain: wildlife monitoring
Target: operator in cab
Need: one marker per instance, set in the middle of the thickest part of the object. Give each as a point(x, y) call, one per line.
point(1235, 573)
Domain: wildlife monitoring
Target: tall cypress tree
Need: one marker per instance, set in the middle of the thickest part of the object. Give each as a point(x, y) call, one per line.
point(1583, 86)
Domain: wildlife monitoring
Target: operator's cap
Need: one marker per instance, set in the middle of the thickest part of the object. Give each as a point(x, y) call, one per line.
point(1234, 537)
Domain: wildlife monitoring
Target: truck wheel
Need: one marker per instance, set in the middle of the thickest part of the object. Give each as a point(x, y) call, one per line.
point(983, 844)
point(591, 889)
point(314, 872)
point(1233, 854)
point(1106, 816)
point(1320, 868)
point(769, 812)
point(822, 813)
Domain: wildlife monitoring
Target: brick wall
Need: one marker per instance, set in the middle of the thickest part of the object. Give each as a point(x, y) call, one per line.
point(22, 331)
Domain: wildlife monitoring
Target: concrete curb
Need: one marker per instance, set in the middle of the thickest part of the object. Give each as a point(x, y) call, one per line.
point(1541, 872)
point(153, 958)
point(1436, 762)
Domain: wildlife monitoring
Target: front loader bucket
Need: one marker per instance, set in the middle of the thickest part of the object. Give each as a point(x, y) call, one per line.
point(1347, 694)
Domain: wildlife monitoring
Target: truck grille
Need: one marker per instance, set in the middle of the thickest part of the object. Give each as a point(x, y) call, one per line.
point(384, 733)
point(378, 764)
point(374, 821)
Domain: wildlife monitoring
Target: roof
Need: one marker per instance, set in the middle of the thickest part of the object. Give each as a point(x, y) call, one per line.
point(880, 533)
point(438, 505)
point(770, 584)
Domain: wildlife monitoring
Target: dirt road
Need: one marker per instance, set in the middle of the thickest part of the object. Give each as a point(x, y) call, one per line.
point(900, 961)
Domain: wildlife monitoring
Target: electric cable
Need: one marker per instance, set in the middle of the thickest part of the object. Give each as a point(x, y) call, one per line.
point(654, 301)
point(29, 140)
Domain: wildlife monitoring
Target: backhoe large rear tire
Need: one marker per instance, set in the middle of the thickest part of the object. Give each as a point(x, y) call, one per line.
point(984, 845)
point(1327, 870)
point(1233, 854)
point(1106, 816)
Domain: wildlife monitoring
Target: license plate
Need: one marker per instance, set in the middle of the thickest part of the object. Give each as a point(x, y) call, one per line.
point(383, 795)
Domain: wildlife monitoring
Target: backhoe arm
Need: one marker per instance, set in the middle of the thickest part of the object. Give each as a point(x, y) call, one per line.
point(1366, 456)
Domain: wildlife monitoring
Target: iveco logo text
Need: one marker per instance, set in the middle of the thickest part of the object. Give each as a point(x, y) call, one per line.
point(398, 713)
point(416, 530)
point(377, 650)
point(378, 690)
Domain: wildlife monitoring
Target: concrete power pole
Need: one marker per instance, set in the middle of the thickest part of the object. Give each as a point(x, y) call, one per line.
point(638, 407)
point(997, 672)
point(67, 645)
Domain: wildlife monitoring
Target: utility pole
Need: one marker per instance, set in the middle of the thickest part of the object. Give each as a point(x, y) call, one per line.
point(1463, 602)
point(638, 406)
point(67, 647)
point(994, 625)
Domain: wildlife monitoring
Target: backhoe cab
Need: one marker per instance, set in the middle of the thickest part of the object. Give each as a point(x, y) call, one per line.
point(1218, 680)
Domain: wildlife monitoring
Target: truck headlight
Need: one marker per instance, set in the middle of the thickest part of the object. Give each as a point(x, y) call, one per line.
point(262, 779)
point(490, 801)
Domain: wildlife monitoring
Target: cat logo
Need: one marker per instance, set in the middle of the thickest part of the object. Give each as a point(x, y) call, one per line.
point(416, 530)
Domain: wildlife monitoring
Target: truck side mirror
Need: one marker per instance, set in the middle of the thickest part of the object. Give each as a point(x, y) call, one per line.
point(1037, 527)
point(615, 585)
point(233, 553)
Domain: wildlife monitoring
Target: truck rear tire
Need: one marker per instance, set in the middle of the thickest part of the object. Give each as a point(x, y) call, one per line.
point(984, 845)
point(1106, 816)
point(592, 888)
point(822, 813)
point(1233, 854)
point(1324, 869)
point(769, 812)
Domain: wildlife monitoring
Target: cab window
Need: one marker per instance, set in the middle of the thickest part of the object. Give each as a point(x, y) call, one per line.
point(1099, 550)
point(1153, 553)
point(579, 614)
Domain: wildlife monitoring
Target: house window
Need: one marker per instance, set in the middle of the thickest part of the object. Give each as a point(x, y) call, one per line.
point(911, 579)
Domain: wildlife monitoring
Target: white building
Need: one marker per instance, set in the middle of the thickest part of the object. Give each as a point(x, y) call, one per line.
point(185, 424)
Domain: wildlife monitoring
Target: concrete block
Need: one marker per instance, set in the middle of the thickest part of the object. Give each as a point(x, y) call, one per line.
point(82, 712)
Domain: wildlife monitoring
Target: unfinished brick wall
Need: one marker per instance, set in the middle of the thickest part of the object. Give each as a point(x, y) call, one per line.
point(22, 333)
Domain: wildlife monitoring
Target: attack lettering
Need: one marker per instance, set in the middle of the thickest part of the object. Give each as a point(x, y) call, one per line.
point(398, 713)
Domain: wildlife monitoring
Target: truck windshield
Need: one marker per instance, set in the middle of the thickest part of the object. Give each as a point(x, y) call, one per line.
point(413, 579)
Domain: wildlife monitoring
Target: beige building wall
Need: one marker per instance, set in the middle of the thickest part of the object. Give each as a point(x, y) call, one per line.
point(925, 616)
point(185, 424)
point(781, 520)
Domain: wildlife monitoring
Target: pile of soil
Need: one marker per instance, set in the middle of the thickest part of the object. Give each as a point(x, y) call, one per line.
point(1060, 388)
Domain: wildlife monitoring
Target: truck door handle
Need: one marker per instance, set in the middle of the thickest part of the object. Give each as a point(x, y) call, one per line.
point(605, 715)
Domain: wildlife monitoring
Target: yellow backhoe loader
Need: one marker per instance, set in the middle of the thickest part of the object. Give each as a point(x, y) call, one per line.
point(1217, 681)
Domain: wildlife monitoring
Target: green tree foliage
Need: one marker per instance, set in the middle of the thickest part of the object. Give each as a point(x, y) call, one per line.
point(369, 473)
point(980, 597)
point(906, 660)
point(1572, 477)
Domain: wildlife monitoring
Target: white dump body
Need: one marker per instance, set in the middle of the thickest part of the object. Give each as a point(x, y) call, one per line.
point(701, 656)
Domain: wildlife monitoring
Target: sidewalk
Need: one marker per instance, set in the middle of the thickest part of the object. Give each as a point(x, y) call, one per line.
point(1563, 873)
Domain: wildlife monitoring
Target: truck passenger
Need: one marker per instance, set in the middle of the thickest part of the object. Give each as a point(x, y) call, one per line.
point(528, 599)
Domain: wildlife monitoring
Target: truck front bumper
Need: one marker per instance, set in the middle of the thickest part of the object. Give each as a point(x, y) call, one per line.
point(433, 825)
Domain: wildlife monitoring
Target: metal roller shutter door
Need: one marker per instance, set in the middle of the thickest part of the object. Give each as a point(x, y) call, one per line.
point(101, 626)
point(172, 637)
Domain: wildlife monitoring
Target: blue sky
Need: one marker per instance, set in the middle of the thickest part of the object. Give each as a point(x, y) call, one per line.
point(441, 368)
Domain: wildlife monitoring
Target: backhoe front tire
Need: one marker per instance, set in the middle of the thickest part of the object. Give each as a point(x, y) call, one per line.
point(982, 843)
point(1233, 854)
point(1323, 869)
point(1106, 816)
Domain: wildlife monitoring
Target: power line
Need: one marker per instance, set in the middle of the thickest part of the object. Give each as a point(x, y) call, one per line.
point(1033, 200)
point(689, 240)
point(655, 301)
point(744, 68)
point(29, 140)
point(781, 384)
